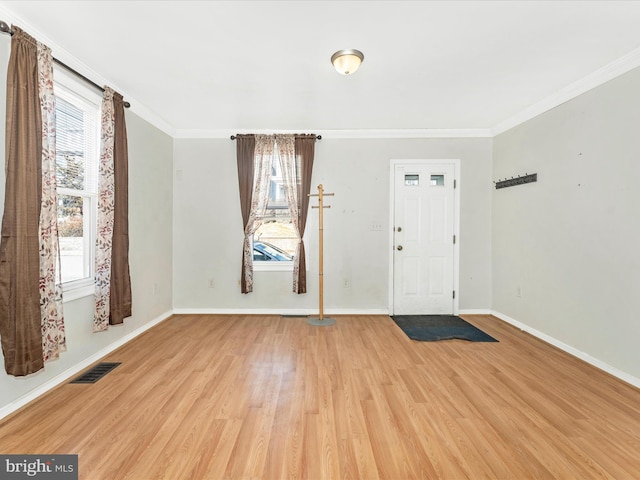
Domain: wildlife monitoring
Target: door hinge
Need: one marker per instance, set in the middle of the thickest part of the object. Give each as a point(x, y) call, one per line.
point(454, 294)
point(454, 183)
point(454, 239)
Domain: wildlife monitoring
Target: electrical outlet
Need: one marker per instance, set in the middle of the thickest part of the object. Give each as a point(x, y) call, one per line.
point(519, 291)
point(211, 283)
point(346, 283)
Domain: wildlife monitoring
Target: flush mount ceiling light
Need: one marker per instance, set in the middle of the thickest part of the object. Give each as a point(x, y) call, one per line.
point(347, 61)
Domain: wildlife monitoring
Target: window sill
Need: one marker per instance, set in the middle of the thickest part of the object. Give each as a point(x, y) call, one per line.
point(273, 266)
point(74, 292)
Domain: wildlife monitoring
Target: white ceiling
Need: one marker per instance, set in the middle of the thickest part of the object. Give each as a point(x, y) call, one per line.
point(208, 67)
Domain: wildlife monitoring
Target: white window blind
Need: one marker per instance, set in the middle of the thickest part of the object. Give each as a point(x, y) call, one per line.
point(76, 145)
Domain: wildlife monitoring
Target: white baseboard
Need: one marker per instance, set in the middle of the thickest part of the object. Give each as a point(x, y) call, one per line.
point(277, 311)
point(625, 377)
point(303, 311)
point(78, 367)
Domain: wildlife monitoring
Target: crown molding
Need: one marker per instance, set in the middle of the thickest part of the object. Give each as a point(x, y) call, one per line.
point(66, 57)
point(350, 134)
point(143, 112)
point(604, 74)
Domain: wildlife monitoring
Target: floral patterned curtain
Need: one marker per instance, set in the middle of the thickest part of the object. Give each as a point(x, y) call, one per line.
point(291, 178)
point(106, 200)
point(52, 322)
point(263, 154)
point(254, 155)
point(296, 161)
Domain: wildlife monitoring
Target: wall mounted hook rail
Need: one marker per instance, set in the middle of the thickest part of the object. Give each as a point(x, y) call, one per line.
point(520, 180)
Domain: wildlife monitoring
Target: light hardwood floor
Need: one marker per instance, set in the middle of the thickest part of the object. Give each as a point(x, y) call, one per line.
point(243, 397)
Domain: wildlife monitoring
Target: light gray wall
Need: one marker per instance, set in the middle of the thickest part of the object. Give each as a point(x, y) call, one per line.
point(570, 241)
point(150, 236)
point(208, 228)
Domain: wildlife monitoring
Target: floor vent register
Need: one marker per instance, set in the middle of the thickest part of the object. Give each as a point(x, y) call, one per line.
point(96, 373)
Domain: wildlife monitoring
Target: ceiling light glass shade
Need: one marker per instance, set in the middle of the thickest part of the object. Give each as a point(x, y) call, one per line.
point(347, 61)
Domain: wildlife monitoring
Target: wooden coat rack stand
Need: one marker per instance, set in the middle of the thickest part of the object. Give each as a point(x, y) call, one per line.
point(320, 320)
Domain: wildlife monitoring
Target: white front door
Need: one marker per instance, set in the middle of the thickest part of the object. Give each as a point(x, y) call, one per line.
point(423, 238)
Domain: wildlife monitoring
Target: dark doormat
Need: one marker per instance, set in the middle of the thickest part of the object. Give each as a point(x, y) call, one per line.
point(431, 328)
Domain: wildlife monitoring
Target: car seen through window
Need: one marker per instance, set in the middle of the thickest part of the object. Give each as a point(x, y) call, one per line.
point(263, 251)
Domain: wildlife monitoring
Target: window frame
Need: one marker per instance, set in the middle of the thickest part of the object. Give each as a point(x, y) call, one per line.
point(75, 91)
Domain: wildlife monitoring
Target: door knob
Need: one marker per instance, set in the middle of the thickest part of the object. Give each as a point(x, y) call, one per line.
point(399, 247)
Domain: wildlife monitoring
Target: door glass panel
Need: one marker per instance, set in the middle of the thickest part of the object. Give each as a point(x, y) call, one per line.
point(437, 180)
point(411, 180)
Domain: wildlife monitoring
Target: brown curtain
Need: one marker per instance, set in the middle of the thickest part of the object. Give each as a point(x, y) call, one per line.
point(120, 298)
point(305, 150)
point(245, 147)
point(20, 319)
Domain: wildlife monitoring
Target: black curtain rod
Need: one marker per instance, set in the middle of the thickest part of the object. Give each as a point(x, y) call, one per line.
point(318, 137)
point(5, 28)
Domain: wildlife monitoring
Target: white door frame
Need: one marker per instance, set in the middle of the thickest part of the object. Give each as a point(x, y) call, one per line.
point(456, 222)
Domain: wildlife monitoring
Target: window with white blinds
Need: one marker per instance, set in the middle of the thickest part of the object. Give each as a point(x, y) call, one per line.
point(77, 154)
point(75, 141)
